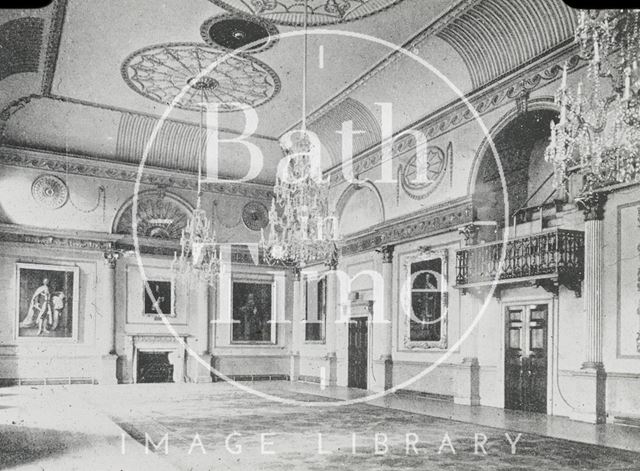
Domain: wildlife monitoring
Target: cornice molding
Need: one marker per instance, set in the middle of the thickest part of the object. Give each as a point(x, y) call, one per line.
point(88, 166)
point(455, 114)
point(108, 245)
point(445, 217)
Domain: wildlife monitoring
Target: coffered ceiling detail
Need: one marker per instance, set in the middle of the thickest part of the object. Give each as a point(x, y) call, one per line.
point(320, 12)
point(176, 145)
point(174, 71)
point(328, 128)
point(496, 36)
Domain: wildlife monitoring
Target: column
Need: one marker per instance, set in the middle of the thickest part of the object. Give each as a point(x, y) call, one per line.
point(383, 363)
point(109, 357)
point(331, 369)
point(591, 384)
point(297, 326)
point(197, 372)
point(467, 374)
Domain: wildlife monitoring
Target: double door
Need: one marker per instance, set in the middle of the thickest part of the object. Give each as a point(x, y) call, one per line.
point(358, 352)
point(526, 357)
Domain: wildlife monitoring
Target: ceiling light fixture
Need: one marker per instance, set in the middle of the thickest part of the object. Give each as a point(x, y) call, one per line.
point(199, 256)
point(302, 228)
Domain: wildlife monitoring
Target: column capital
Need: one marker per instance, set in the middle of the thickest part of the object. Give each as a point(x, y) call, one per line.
point(592, 205)
point(110, 258)
point(470, 233)
point(296, 272)
point(332, 262)
point(387, 253)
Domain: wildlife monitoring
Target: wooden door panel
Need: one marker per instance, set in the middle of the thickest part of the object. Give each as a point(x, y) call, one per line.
point(526, 358)
point(358, 353)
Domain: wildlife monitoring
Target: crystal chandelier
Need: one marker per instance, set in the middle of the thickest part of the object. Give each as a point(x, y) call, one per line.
point(302, 228)
point(199, 256)
point(598, 134)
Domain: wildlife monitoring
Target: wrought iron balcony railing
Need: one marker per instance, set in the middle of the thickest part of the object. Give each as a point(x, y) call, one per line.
point(547, 259)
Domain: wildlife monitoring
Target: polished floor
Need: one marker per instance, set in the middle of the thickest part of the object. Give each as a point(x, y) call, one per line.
point(218, 427)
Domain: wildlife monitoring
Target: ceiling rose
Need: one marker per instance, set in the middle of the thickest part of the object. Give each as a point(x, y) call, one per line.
point(236, 31)
point(321, 12)
point(162, 72)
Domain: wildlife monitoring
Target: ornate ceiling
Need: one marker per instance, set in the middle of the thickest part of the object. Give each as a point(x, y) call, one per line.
point(320, 12)
point(178, 74)
point(94, 76)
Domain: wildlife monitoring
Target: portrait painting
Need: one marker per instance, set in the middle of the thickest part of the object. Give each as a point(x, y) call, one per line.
point(252, 312)
point(159, 298)
point(47, 301)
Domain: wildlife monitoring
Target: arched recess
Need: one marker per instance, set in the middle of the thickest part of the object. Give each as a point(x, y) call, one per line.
point(520, 139)
point(359, 207)
point(160, 215)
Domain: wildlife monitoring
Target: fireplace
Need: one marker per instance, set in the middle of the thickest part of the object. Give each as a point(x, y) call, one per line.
point(154, 367)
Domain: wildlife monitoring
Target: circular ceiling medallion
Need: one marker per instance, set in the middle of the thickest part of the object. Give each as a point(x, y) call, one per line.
point(255, 216)
point(50, 191)
point(234, 32)
point(164, 71)
point(320, 12)
point(435, 169)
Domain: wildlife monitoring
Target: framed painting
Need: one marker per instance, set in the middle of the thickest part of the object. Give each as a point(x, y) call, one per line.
point(47, 301)
point(159, 298)
point(424, 300)
point(252, 309)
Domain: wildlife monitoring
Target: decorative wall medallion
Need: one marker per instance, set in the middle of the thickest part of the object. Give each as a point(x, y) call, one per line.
point(50, 191)
point(255, 216)
point(320, 12)
point(237, 31)
point(162, 72)
point(408, 174)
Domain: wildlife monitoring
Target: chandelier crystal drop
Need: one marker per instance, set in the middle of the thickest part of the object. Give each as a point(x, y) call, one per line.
point(199, 259)
point(598, 134)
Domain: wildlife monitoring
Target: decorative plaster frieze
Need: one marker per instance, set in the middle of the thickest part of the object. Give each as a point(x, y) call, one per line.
point(111, 247)
point(77, 165)
point(55, 241)
point(437, 219)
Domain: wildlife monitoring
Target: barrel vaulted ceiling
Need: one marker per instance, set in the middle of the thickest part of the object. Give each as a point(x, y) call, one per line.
point(92, 78)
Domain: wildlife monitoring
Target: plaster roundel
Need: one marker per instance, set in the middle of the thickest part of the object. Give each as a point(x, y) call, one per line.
point(435, 168)
point(320, 12)
point(162, 72)
point(50, 191)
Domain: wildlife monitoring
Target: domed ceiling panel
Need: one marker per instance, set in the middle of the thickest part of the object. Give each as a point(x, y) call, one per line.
point(166, 72)
point(497, 36)
point(320, 12)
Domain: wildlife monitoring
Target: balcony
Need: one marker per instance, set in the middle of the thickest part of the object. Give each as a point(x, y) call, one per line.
point(547, 259)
